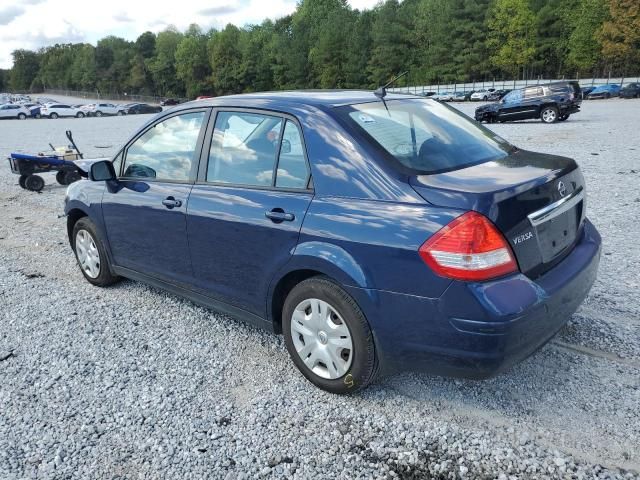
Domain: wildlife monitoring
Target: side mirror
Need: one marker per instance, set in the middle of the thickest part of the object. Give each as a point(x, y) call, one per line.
point(286, 146)
point(102, 171)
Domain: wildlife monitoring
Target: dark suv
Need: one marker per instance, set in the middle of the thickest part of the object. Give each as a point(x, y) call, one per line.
point(631, 90)
point(549, 103)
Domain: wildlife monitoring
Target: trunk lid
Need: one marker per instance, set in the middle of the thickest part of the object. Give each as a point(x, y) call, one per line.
point(536, 200)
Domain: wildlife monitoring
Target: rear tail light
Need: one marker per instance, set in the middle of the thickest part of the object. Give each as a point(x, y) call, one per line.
point(470, 248)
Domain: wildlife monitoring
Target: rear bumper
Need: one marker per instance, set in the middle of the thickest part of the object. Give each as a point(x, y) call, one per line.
point(477, 330)
point(570, 109)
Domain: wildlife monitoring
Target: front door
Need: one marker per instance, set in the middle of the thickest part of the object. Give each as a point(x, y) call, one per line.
point(145, 212)
point(246, 211)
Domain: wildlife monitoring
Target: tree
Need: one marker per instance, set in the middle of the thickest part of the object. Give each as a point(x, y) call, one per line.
point(225, 57)
point(553, 28)
point(26, 65)
point(192, 64)
point(163, 64)
point(146, 45)
point(511, 34)
point(83, 71)
point(584, 45)
point(390, 44)
point(620, 34)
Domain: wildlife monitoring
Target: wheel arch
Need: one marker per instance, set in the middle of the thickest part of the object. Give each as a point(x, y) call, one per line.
point(73, 216)
point(312, 259)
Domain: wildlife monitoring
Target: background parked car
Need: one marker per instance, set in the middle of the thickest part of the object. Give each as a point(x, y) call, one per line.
point(630, 90)
point(55, 110)
point(10, 110)
point(443, 96)
point(34, 112)
point(102, 109)
point(497, 95)
point(459, 97)
point(482, 94)
point(586, 91)
point(550, 103)
point(139, 108)
point(604, 91)
point(167, 102)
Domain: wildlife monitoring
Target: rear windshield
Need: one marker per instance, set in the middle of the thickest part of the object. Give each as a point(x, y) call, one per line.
point(425, 136)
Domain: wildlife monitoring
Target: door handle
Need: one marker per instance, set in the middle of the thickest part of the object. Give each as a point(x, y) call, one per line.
point(171, 202)
point(277, 215)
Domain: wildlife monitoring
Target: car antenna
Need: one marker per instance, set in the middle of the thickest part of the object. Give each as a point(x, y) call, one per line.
point(381, 92)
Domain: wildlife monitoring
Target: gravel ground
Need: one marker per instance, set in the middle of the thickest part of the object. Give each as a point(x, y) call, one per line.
point(130, 382)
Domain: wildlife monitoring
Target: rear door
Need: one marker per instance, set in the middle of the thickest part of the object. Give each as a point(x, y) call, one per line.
point(145, 216)
point(246, 210)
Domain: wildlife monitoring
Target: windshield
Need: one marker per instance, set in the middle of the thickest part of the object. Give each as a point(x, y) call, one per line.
point(426, 136)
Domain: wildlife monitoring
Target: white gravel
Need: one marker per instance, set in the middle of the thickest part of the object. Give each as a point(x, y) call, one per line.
point(130, 382)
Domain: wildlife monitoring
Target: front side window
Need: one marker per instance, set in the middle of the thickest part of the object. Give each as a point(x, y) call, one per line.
point(425, 136)
point(513, 97)
point(244, 148)
point(166, 151)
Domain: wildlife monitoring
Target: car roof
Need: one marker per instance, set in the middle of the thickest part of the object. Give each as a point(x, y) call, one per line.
point(326, 98)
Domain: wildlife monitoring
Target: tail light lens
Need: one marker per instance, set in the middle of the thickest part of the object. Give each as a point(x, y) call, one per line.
point(469, 248)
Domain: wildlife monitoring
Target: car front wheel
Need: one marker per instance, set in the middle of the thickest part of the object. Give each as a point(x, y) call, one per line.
point(53, 116)
point(22, 116)
point(328, 337)
point(549, 114)
point(91, 254)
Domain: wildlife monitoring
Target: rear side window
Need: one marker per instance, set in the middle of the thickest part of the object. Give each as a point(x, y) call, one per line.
point(244, 148)
point(293, 171)
point(533, 92)
point(166, 151)
point(425, 136)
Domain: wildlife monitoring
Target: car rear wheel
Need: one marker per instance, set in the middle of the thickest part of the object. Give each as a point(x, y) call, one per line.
point(21, 181)
point(22, 116)
point(53, 116)
point(328, 337)
point(98, 113)
point(549, 114)
point(91, 254)
point(120, 113)
point(79, 115)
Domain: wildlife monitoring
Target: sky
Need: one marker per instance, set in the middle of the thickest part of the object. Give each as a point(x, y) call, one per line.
point(32, 24)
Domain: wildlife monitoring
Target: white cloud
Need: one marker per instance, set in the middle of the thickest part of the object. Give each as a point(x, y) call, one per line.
point(40, 23)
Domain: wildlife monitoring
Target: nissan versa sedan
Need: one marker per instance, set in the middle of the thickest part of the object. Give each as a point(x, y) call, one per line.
point(377, 233)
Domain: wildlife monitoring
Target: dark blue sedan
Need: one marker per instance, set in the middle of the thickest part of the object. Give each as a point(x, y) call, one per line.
point(376, 234)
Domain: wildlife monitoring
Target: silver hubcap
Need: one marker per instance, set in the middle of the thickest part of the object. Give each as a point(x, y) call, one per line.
point(321, 338)
point(549, 115)
point(87, 253)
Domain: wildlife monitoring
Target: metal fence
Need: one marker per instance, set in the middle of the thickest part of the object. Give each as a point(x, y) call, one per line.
point(118, 97)
point(507, 84)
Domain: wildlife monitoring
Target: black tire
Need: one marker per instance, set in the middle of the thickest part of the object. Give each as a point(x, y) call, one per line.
point(60, 177)
point(120, 113)
point(607, 95)
point(71, 176)
point(34, 183)
point(79, 115)
point(22, 116)
point(21, 181)
point(38, 115)
point(98, 113)
point(549, 114)
point(105, 277)
point(363, 365)
point(53, 116)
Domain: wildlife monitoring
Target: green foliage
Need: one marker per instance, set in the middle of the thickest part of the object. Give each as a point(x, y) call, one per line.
point(620, 34)
point(327, 44)
point(584, 46)
point(511, 35)
point(26, 65)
